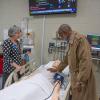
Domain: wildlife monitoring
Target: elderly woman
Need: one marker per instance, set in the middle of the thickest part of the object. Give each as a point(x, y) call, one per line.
point(11, 52)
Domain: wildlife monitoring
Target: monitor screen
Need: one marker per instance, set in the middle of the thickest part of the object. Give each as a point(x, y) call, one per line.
point(94, 40)
point(43, 7)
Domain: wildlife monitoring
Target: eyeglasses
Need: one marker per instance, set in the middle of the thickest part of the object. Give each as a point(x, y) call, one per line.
point(59, 34)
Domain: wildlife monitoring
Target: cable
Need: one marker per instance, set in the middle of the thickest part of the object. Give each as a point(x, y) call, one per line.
point(51, 92)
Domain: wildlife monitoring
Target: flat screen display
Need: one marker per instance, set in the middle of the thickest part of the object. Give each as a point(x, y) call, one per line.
point(94, 40)
point(43, 7)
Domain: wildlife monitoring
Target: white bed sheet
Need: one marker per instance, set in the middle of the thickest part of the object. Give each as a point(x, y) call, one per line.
point(35, 88)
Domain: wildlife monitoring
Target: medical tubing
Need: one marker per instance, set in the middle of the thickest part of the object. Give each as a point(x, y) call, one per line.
point(51, 92)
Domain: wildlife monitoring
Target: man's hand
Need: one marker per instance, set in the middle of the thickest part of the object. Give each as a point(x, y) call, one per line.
point(52, 69)
point(78, 86)
point(55, 66)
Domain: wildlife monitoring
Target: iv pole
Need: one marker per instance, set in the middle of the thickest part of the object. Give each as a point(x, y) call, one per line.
point(42, 42)
point(27, 23)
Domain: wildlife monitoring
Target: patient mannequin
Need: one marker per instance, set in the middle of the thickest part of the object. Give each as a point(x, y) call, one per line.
point(54, 66)
point(57, 84)
point(56, 92)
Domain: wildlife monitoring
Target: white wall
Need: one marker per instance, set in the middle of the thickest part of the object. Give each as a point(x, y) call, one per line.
point(86, 20)
point(12, 12)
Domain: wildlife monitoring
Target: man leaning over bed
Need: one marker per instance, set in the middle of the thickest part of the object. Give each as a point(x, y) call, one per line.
point(78, 57)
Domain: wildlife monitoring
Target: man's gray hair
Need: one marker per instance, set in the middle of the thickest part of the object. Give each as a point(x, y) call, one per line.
point(12, 30)
point(64, 28)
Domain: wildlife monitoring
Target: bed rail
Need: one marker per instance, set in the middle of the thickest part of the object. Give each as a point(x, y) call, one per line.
point(25, 70)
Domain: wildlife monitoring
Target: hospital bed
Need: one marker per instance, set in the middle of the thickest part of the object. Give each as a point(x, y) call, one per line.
point(29, 70)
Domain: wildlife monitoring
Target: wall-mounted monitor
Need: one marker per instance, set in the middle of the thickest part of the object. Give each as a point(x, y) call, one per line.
point(94, 40)
point(44, 7)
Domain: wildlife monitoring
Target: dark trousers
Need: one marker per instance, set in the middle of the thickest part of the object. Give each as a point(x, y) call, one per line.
point(4, 78)
point(70, 97)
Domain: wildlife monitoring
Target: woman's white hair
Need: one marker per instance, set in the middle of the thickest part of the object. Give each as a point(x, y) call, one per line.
point(12, 30)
